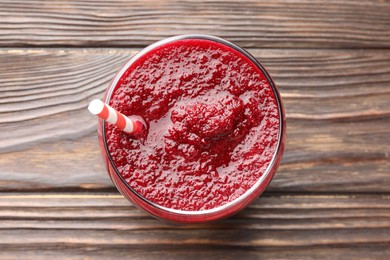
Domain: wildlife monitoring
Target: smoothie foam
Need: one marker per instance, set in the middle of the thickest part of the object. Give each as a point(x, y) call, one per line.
point(213, 125)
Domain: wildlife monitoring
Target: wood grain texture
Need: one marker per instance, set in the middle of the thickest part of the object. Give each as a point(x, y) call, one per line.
point(337, 104)
point(291, 24)
point(101, 225)
point(44, 93)
point(330, 198)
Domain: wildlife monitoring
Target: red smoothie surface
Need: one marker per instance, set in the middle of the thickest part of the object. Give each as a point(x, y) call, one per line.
point(213, 125)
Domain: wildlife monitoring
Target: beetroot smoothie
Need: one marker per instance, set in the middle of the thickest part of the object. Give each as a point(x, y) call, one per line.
point(215, 129)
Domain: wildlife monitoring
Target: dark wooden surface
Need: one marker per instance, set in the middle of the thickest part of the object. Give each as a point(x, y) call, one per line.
point(330, 198)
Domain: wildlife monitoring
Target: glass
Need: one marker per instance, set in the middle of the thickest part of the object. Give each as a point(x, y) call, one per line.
point(181, 216)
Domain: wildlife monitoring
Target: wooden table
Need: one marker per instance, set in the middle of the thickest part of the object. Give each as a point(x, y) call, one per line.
point(330, 197)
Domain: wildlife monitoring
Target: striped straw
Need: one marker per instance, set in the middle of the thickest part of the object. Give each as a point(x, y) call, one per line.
point(132, 125)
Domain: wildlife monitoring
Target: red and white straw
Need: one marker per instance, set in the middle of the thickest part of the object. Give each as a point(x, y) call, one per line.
point(132, 125)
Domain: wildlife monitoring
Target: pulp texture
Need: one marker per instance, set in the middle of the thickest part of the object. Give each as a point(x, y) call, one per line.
point(213, 125)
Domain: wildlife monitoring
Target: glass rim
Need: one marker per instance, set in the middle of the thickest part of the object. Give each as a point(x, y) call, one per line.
point(271, 165)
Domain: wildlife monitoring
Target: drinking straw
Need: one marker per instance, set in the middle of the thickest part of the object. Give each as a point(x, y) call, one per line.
point(130, 124)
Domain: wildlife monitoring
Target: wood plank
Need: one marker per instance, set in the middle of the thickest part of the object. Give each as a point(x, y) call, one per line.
point(86, 252)
point(272, 24)
point(279, 226)
point(336, 103)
